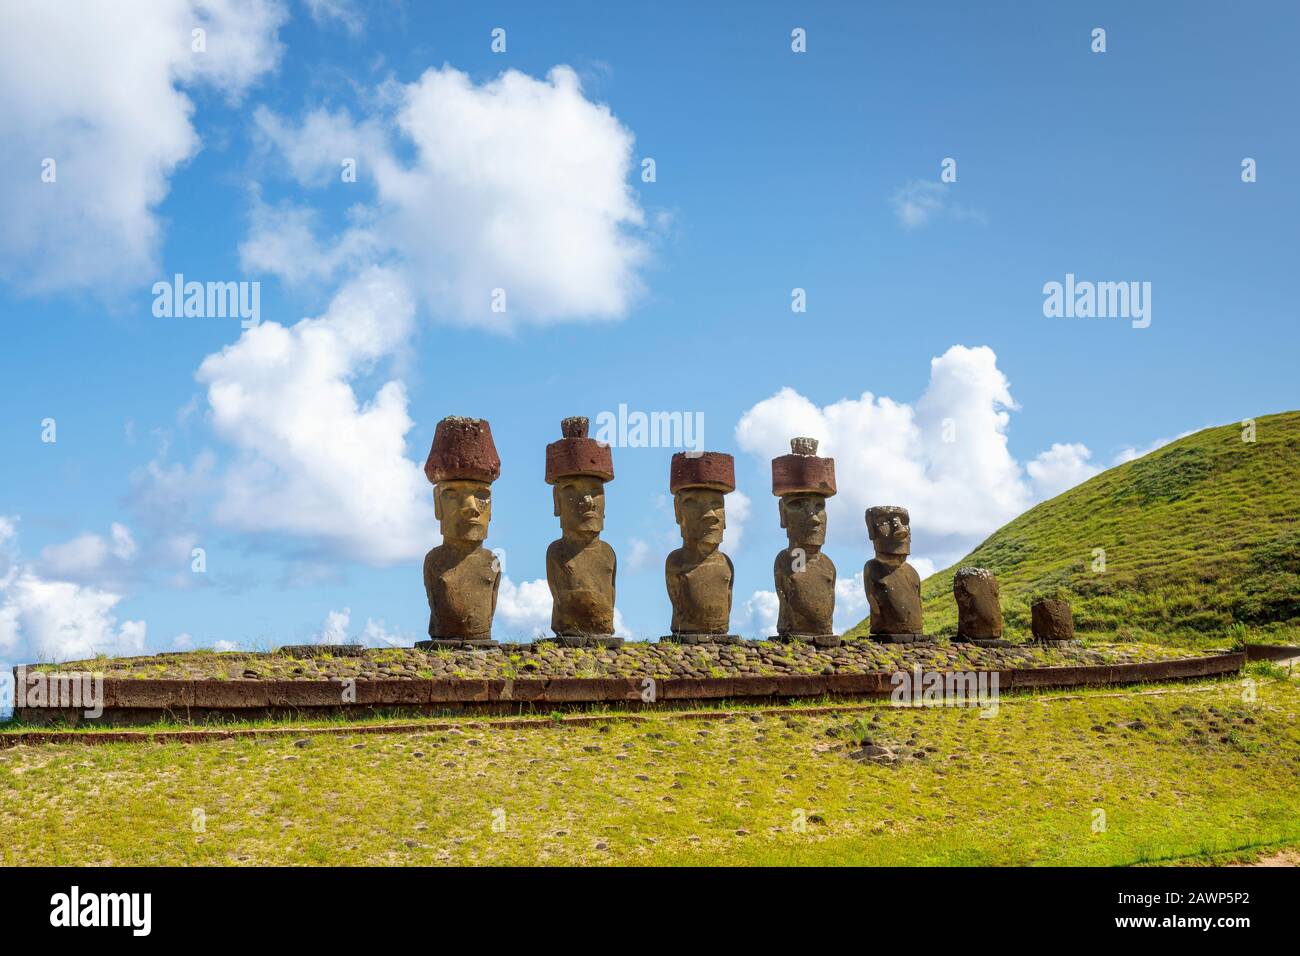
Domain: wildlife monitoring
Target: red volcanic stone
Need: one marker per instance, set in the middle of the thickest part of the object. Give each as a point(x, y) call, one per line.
point(1050, 620)
point(715, 470)
point(576, 454)
point(802, 472)
point(462, 450)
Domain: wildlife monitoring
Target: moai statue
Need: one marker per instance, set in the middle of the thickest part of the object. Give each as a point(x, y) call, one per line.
point(580, 568)
point(893, 586)
point(699, 576)
point(1051, 621)
point(805, 577)
point(979, 613)
point(461, 576)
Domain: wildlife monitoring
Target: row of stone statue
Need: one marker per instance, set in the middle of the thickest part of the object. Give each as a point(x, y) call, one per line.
point(461, 576)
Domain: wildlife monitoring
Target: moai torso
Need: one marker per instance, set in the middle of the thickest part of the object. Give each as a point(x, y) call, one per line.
point(462, 592)
point(581, 579)
point(894, 594)
point(807, 596)
point(700, 591)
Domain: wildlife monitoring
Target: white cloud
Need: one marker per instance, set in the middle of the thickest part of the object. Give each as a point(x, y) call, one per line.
point(850, 601)
point(517, 184)
point(52, 620)
point(343, 12)
point(1060, 468)
point(97, 87)
point(738, 509)
point(919, 202)
point(523, 610)
point(945, 458)
point(315, 461)
point(282, 239)
point(377, 634)
point(639, 557)
point(335, 630)
point(757, 616)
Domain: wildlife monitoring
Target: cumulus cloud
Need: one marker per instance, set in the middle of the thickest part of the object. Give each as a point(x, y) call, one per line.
point(315, 460)
point(1060, 468)
point(524, 609)
point(335, 630)
point(99, 88)
point(519, 184)
point(945, 458)
point(90, 555)
point(54, 620)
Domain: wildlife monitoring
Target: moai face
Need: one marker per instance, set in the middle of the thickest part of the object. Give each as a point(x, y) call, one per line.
point(804, 519)
point(890, 530)
point(463, 509)
point(580, 505)
point(701, 514)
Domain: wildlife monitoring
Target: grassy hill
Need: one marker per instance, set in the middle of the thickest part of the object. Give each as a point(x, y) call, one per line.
point(1201, 539)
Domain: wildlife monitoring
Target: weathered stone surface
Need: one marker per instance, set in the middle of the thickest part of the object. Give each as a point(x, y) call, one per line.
point(706, 469)
point(461, 576)
point(580, 568)
point(702, 639)
point(576, 454)
point(802, 472)
point(979, 611)
point(893, 587)
point(804, 576)
point(462, 450)
point(698, 575)
point(1050, 620)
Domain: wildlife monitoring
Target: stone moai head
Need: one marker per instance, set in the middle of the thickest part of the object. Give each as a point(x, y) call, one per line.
point(979, 611)
point(577, 468)
point(698, 482)
point(891, 530)
point(462, 465)
point(1051, 620)
point(803, 482)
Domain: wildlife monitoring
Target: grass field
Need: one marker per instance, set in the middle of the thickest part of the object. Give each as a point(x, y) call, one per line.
point(1201, 541)
point(1181, 773)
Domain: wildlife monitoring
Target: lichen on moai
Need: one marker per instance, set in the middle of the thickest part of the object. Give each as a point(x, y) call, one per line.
point(461, 576)
point(893, 587)
point(699, 576)
point(580, 567)
point(803, 573)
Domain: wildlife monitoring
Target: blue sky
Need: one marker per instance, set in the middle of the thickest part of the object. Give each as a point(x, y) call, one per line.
point(775, 170)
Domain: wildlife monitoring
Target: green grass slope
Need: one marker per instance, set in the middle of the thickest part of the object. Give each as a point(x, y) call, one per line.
point(1201, 539)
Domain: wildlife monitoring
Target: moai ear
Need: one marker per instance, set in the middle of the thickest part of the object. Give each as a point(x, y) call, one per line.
point(555, 497)
point(780, 506)
point(677, 508)
point(437, 502)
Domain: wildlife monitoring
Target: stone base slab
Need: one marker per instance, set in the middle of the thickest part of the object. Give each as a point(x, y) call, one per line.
point(456, 644)
point(135, 700)
point(819, 640)
point(901, 638)
point(582, 640)
point(701, 639)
